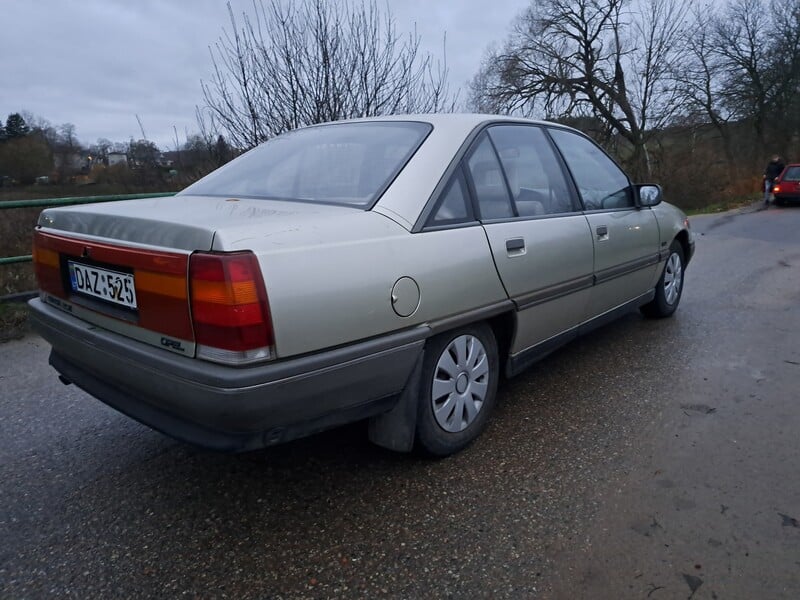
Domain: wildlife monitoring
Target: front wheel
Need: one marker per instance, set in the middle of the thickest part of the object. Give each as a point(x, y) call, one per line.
point(670, 285)
point(458, 389)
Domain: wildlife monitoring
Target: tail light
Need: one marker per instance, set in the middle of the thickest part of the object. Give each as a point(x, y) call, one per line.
point(230, 310)
point(46, 266)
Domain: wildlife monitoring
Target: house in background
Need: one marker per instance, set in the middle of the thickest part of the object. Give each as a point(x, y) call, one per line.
point(117, 158)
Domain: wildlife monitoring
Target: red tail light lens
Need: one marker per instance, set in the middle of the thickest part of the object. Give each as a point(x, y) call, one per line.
point(47, 267)
point(230, 310)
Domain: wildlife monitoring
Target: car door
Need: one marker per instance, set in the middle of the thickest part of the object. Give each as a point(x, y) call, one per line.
point(540, 241)
point(625, 236)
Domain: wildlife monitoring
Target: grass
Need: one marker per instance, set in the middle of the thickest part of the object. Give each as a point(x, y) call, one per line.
point(726, 205)
point(13, 320)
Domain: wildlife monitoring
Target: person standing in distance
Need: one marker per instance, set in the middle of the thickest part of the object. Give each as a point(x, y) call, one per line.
point(774, 168)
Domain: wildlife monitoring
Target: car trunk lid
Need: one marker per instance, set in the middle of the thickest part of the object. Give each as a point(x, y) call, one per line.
point(177, 222)
point(125, 266)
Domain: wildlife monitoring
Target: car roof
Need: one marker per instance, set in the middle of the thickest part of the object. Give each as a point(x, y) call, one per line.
point(455, 123)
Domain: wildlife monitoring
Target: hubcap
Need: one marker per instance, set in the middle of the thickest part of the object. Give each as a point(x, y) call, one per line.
point(673, 278)
point(460, 383)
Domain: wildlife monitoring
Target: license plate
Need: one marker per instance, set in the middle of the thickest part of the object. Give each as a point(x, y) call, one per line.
point(108, 285)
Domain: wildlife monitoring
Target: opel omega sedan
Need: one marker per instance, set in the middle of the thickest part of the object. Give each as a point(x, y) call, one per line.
point(389, 269)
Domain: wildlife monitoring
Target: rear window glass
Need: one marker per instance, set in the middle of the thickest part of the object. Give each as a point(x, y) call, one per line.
point(348, 163)
point(792, 174)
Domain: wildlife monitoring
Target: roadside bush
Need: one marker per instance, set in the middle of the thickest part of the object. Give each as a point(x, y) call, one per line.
point(13, 321)
point(25, 158)
point(16, 227)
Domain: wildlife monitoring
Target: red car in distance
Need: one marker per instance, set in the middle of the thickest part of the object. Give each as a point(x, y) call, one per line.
point(787, 186)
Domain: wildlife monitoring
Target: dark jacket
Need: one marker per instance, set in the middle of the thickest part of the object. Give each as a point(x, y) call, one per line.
point(774, 168)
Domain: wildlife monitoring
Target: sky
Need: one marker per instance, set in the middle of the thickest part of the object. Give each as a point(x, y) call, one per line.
point(99, 63)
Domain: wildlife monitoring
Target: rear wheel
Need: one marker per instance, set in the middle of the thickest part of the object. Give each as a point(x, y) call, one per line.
point(670, 285)
point(458, 389)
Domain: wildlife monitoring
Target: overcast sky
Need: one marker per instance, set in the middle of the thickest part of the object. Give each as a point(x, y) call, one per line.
point(99, 63)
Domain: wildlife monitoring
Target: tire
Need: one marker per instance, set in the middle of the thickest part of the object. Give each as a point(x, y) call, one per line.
point(458, 389)
point(670, 285)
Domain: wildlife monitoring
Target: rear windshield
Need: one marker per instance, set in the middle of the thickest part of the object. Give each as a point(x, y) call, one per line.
point(347, 163)
point(792, 173)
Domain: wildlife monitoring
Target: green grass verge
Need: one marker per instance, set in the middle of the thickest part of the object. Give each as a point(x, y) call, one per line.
point(732, 204)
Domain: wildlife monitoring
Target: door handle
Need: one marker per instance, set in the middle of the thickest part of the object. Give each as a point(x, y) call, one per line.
point(515, 245)
point(602, 232)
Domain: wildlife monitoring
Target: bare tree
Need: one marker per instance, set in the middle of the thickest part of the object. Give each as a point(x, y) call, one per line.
point(611, 60)
point(741, 35)
point(700, 76)
point(758, 42)
point(292, 64)
point(99, 151)
point(64, 151)
point(783, 105)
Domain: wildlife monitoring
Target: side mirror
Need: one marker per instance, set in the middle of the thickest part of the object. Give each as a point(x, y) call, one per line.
point(650, 194)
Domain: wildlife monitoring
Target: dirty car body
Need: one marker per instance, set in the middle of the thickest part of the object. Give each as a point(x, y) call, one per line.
point(388, 269)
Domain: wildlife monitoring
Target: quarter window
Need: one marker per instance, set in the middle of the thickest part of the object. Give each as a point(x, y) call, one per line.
point(537, 183)
point(453, 206)
point(490, 185)
point(600, 181)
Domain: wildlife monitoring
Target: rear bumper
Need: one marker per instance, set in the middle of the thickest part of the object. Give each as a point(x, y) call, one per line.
point(226, 408)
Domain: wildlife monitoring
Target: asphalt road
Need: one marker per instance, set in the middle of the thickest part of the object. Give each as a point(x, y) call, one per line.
point(652, 459)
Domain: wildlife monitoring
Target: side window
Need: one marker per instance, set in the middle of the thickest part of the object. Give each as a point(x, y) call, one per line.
point(601, 183)
point(453, 206)
point(534, 175)
point(490, 185)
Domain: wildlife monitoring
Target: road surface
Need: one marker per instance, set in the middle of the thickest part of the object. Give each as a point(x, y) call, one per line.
point(651, 459)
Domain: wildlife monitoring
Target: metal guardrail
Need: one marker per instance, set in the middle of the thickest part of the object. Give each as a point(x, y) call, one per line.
point(78, 200)
point(69, 201)
point(10, 260)
point(18, 297)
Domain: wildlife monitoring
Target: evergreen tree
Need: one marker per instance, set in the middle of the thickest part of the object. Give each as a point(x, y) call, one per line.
point(16, 126)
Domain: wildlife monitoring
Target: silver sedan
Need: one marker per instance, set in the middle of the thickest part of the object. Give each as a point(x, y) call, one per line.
point(389, 269)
